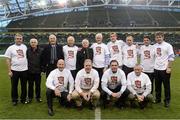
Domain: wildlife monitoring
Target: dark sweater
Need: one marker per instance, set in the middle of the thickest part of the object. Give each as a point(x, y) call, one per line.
point(82, 55)
point(34, 60)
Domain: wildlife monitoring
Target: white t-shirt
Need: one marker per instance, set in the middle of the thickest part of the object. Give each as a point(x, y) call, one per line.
point(163, 53)
point(99, 51)
point(70, 56)
point(139, 84)
point(112, 80)
point(87, 81)
point(147, 58)
point(130, 55)
point(17, 54)
point(61, 79)
point(115, 49)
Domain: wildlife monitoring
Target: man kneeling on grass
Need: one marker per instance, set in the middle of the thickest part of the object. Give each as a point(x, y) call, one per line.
point(57, 83)
point(139, 86)
point(114, 85)
point(86, 86)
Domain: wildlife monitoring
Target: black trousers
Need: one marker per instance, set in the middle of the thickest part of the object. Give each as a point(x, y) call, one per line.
point(14, 85)
point(34, 78)
point(122, 98)
point(151, 77)
point(127, 70)
point(74, 72)
point(161, 77)
point(49, 68)
point(50, 95)
point(100, 72)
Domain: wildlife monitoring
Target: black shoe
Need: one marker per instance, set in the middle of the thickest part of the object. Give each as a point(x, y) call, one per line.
point(24, 102)
point(14, 103)
point(92, 107)
point(50, 112)
point(38, 100)
point(166, 104)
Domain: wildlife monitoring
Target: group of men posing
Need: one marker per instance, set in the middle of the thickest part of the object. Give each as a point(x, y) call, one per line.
point(109, 72)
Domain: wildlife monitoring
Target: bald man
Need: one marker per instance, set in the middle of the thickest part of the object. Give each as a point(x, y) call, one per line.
point(86, 86)
point(34, 70)
point(139, 86)
point(57, 85)
point(51, 54)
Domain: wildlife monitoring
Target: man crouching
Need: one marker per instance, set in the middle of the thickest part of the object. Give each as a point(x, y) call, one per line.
point(139, 86)
point(86, 86)
point(57, 83)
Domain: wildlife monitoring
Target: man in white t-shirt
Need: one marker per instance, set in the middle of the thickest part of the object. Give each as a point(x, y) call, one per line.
point(129, 55)
point(139, 86)
point(17, 68)
point(70, 55)
point(114, 85)
point(101, 55)
point(115, 48)
point(86, 86)
point(57, 85)
point(164, 55)
point(147, 58)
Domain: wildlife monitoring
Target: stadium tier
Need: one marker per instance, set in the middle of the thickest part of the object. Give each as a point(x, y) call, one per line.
point(103, 17)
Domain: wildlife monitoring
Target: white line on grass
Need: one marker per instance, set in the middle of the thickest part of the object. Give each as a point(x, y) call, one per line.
point(97, 113)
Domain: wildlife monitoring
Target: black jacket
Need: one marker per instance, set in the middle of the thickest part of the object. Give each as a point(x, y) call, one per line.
point(82, 55)
point(46, 55)
point(34, 60)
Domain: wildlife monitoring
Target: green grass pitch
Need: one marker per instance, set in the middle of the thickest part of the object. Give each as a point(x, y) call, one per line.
point(39, 110)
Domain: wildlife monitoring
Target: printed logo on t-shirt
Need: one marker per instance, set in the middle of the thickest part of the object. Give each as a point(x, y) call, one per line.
point(70, 54)
point(114, 80)
point(115, 49)
point(130, 53)
point(158, 52)
point(98, 50)
point(87, 82)
point(20, 53)
point(61, 80)
point(138, 83)
point(147, 54)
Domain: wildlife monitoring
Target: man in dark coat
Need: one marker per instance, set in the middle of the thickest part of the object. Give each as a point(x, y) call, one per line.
point(34, 70)
point(83, 54)
point(51, 54)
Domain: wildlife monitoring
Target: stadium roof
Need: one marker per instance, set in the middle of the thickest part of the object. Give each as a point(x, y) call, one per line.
point(14, 9)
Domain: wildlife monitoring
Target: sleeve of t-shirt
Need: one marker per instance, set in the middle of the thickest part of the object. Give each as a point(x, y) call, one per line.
point(8, 53)
point(49, 81)
point(148, 86)
point(96, 82)
point(129, 85)
point(123, 82)
point(104, 82)
point(71, 82)
point(170, 53)
point(77, 83)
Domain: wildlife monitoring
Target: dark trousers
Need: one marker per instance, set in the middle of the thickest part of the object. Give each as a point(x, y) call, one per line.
point(49, 68)
point(34, 78)
point(151, 77)
point(100, 72)
point(120, 101)
point(50, 95)
point(161, 77)
point(74, 72)
point(14, 85)
point(127, 70)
